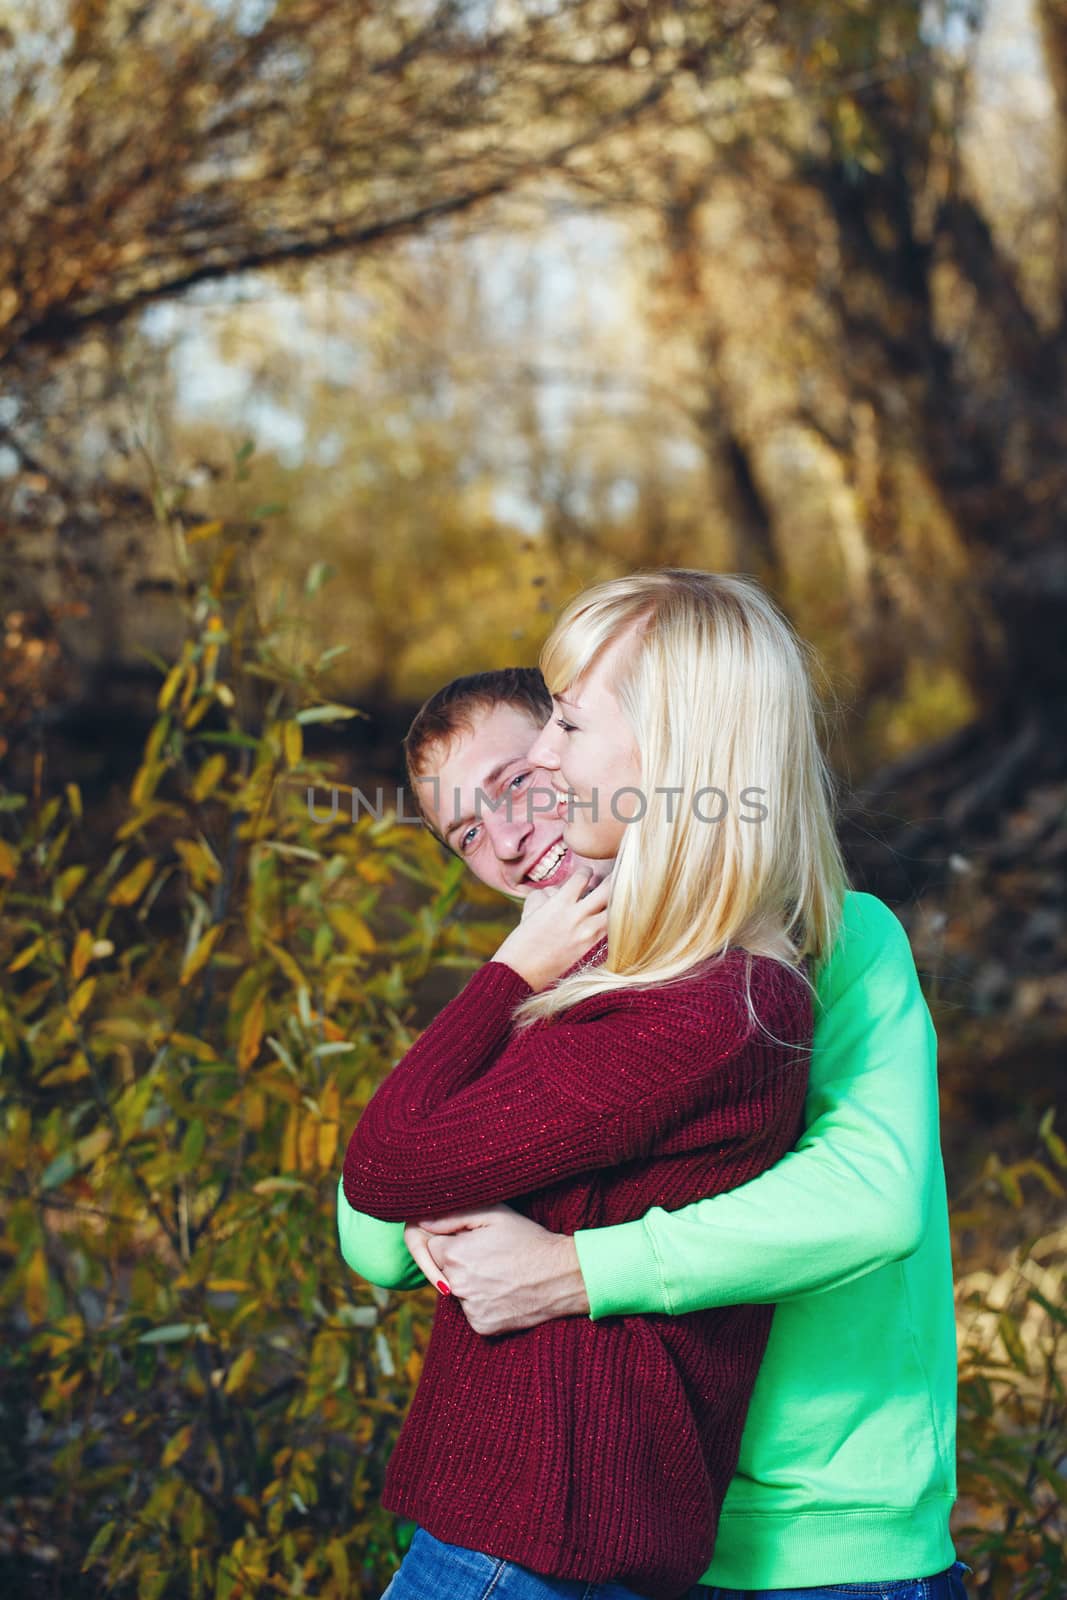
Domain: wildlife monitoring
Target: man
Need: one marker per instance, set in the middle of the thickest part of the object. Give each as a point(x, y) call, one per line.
point(847, 1469)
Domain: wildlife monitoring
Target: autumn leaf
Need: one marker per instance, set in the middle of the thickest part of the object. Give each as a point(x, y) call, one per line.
point(25, 956)
point(130, 888)
point(239, 1371)
point(201, 954)
point(251, 1035)
point(209, 777)
point(82, 953)
point(288, 965)
point(330, 1125)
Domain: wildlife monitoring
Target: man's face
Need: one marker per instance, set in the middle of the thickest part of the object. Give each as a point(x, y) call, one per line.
point(518, 846)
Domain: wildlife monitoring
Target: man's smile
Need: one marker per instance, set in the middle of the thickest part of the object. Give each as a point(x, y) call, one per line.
point(551, 866)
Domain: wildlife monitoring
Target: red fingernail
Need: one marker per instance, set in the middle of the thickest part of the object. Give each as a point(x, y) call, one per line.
point(443, 1286)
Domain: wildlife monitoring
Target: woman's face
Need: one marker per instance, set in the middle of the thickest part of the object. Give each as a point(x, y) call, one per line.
point(589, 752)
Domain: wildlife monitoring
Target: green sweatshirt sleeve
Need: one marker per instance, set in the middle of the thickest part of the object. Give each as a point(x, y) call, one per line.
point(854, 1193)
point(376, 1250)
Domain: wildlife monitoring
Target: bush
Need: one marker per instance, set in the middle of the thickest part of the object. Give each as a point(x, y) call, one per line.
point(1011, 1518)
point(199, 1398)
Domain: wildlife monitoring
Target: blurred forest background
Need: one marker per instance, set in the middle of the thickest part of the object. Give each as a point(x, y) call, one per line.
point(341, 341)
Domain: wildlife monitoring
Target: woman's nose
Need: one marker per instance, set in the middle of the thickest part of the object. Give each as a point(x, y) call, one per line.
point(542, 752)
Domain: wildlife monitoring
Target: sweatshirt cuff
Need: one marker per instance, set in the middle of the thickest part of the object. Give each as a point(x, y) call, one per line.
point(621, 1270)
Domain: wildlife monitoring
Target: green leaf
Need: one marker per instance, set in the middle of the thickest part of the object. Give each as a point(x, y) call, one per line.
point(318, 574)
point(279, 1185)
point(173, 1333)
point(1012, 1341)
point(152, 1582)
point(1057, 1313)
point(328, 713)
point(101, 1539)
point(193, 1144)
point(64, 1166)
point(332, 654)
point(242, 741)
point(358, 1316)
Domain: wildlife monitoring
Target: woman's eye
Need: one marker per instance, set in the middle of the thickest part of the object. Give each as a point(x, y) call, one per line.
point(568, 727)
point(518, 780)
point(464, 840)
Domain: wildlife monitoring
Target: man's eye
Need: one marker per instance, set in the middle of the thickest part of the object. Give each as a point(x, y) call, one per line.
point(464, 838)
point(568, 727)
point(519, 779)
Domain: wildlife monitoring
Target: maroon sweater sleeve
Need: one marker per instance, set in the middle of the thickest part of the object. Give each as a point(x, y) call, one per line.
point(471, 1117)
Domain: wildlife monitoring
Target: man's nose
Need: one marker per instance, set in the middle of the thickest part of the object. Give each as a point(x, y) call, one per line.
point(508, 832)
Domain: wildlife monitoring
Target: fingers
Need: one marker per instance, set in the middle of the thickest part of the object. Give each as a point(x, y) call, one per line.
point(597, 897)
point(534, 900)
point(417, 1241)
point(576, 886)
point(454, 1222)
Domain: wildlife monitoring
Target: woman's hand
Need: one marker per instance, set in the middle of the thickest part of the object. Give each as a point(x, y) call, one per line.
point(505, 1270)
point(559, 931)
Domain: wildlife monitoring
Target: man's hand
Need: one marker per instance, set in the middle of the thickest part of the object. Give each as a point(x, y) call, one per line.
point(506, 1271)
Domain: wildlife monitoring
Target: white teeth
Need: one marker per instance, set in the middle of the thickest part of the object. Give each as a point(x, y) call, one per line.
point(548, 863)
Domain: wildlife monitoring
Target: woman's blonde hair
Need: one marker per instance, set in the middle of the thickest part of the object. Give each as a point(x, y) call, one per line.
point(716, 690)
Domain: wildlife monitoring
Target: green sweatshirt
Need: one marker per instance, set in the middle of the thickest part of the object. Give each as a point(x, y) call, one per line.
point(847, 1466)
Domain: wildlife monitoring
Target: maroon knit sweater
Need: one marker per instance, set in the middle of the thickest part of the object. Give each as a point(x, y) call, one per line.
point(593, 1450)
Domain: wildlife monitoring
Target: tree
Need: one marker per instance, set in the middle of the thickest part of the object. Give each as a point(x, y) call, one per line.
point(168, 144)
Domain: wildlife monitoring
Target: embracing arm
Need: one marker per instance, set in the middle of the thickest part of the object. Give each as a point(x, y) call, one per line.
point(854, 1193)
point(460, 1122)
point(375, 1249)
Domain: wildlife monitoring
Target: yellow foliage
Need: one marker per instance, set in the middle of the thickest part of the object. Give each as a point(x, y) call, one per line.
point(35, 1287)
point(203, 530)
point(201, 954)
point(293, 743)
point(171, 685)
point(289, 1157)
point(352, 928)
point(330, 1126)
point(240, 1371)
point(80, 999)
point(82, 953)
point(25, 956)
point(289, 966)
point(69, 882)
point(177, 1446)
point(251, 1035)
point(307, 1144)
point(198, 862)
point(130, 888)
point(209, 777)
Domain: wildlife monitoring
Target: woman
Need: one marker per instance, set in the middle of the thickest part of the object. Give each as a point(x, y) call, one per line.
point(584, 1084)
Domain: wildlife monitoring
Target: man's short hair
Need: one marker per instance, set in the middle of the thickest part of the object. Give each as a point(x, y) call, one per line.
point(453, 709)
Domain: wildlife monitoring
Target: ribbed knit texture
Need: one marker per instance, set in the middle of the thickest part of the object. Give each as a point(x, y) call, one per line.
point(580, 1449)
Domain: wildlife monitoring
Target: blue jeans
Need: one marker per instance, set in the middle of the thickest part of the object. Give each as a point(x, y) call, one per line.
point(433, 1570)
point(947, 1585)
